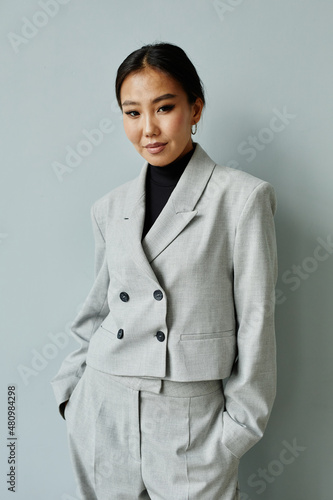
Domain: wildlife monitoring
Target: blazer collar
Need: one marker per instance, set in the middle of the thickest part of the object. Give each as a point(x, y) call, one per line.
point(174, 217)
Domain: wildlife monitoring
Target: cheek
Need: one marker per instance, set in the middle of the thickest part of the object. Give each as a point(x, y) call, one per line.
point(180, 123)
point(129, 130)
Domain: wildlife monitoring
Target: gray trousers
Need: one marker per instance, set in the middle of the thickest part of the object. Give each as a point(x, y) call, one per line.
point(129, 444)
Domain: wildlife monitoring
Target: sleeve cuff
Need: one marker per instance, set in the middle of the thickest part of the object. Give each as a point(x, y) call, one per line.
point(237, 437)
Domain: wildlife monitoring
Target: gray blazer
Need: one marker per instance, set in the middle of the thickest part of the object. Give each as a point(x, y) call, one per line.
point(194, 300)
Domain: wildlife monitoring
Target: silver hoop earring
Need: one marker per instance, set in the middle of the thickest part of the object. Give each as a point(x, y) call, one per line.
point(195, 129)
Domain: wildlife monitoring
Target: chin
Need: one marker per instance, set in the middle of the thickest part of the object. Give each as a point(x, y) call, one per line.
point(157, 159)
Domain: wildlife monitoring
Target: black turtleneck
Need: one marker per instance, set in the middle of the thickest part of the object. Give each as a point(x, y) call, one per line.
point(160, 182)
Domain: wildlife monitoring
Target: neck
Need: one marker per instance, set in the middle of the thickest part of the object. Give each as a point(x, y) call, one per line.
point(170, 174)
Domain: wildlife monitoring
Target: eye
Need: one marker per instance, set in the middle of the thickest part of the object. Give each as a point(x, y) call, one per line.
point(130, 113)
point(167, 107)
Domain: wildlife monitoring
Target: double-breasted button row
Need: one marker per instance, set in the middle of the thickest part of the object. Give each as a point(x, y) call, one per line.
point(159, 335)
point(158, 295)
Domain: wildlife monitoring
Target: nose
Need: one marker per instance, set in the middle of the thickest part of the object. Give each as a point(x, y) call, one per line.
point(150, 125)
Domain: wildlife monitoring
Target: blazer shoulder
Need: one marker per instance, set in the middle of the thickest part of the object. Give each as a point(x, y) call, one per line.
point(101, 205)
point(242, 190)
point(242, 182)
point(240, 176)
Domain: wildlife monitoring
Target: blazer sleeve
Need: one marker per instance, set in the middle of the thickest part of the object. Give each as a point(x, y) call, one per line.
point(251, 388)
point(87, 321)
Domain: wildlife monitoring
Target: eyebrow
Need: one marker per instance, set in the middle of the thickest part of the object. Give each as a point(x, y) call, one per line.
point(157, 99)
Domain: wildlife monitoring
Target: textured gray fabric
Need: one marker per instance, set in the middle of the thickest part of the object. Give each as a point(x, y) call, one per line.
point(168, 387)
point(212, 253)
point(129, 444)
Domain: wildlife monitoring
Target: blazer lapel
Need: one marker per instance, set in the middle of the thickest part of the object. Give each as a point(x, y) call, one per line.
point(174, 217)
point(133, 220)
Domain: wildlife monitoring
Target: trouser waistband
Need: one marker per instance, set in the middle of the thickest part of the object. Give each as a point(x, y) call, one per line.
point(169, 387)
point(189, 389)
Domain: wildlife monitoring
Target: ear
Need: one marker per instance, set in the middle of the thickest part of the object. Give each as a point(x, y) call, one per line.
point(197, 108)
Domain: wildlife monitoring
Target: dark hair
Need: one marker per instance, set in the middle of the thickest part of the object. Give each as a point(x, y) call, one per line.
point(165, 57)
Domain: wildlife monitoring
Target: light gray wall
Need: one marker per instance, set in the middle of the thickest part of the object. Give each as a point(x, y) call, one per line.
point(258, 59)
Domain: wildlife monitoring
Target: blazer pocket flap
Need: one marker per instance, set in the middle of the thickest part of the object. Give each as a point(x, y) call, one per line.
point(109, 325)
point(207, 336)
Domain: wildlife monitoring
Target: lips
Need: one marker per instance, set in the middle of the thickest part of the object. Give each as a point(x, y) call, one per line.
point(156, 147)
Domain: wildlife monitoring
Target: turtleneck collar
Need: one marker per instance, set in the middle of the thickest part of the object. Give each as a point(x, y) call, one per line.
point(169, 175)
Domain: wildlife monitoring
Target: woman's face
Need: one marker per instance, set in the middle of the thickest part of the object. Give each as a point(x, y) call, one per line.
point(157, 116)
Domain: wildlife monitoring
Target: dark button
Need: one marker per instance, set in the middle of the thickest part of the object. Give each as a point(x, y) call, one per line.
point(120, 333)
point(124, 296)
point(158, 295)
point(160, 336)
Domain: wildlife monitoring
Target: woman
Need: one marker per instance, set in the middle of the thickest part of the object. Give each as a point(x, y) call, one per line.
point(183, 298)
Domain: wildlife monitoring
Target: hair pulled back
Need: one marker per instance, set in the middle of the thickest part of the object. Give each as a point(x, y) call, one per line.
point(168, 58)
